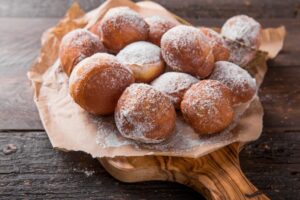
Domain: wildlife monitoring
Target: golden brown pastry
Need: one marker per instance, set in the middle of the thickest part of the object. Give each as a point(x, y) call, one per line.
point(243, 37)
point(186, 49)
point(121, 26)
point(207, 107)
point(145, 114)
point(97, 82)
point(240, 54)
point(220, 51)
point(144, 59)
point(174, 85)
point(242, 85)
point(76, 46)
point(243, 29)
point(158, 26)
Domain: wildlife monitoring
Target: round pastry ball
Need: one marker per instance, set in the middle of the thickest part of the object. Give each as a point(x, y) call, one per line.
point(240, 54)
point(174, 85)
point(242, 85)
point(145, 114)
point(121, 26)
point(243, 29)
point(220, 51)
point(76, 46)
point(158, 26)
point(207, 107)
point(144, 59)
point(186, 49)
point(97, 82)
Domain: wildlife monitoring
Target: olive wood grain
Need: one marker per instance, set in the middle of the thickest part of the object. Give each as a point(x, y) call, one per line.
point(216, 175)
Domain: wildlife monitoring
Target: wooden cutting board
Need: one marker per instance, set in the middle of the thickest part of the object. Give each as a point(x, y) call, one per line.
point(217, 175)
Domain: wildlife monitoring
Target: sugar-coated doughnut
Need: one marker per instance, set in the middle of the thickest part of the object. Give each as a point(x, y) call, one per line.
point(186, 49)
point(77, 45)
point(220, 51)
point(97, 82)
point(144, 59)
point(243, 29)
point(121, 26)
point(145, 114)
point(158, 26)
point(240, 54)
point(242, 85)
point(207, 107)
point(174, 85)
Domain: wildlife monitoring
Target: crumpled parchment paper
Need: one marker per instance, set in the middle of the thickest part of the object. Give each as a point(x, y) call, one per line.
point(70, 128)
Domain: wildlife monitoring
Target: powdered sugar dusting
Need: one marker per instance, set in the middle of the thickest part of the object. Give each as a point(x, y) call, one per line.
point(137, 115)
point(81, 38)
point(139, 53)
point(183, 139)
point(214, 37)
point(124, 16)
point(239, 53)
point(114, 77)
point(82, 68)
point(243, 29)
point(172, 83)
point(209, 102)
point(182, 38)
point(158, 26)
point(108, 135)
point(236, 78)
point(157, 20)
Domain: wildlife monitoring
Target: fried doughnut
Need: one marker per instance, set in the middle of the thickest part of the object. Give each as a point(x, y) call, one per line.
point(77, 45)
point(220, 51)
point(158, 26)
point(186, 49)
point(243, 29)
point(174, 85)
point(145, 114)
point(97, 82)
point(240, 82)
point(144, 59)
point(240, 54)
point(121, 26)
point(207, 107)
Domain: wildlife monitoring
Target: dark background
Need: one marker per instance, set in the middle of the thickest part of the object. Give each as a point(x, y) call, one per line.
point(36, 171)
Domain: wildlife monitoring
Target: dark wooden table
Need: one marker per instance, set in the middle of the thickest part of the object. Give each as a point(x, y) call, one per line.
point(31, 169)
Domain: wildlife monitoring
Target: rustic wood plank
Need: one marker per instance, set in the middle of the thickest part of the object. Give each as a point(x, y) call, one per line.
point(272, 163)
point(20, 42)
point(35, 170)
point(187, 8)
point(280, 95)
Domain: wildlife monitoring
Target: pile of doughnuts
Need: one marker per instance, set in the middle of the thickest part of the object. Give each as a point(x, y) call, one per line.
point(147, 70)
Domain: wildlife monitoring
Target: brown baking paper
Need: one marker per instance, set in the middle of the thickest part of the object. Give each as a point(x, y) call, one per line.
point(70, 128)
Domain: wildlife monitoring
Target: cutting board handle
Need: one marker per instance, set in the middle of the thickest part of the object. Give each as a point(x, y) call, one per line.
point(217, 176)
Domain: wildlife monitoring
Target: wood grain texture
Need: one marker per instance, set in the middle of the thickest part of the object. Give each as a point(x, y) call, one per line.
point(35, 170)
point(217, 175)
point(186, 8)
point(20, 43)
